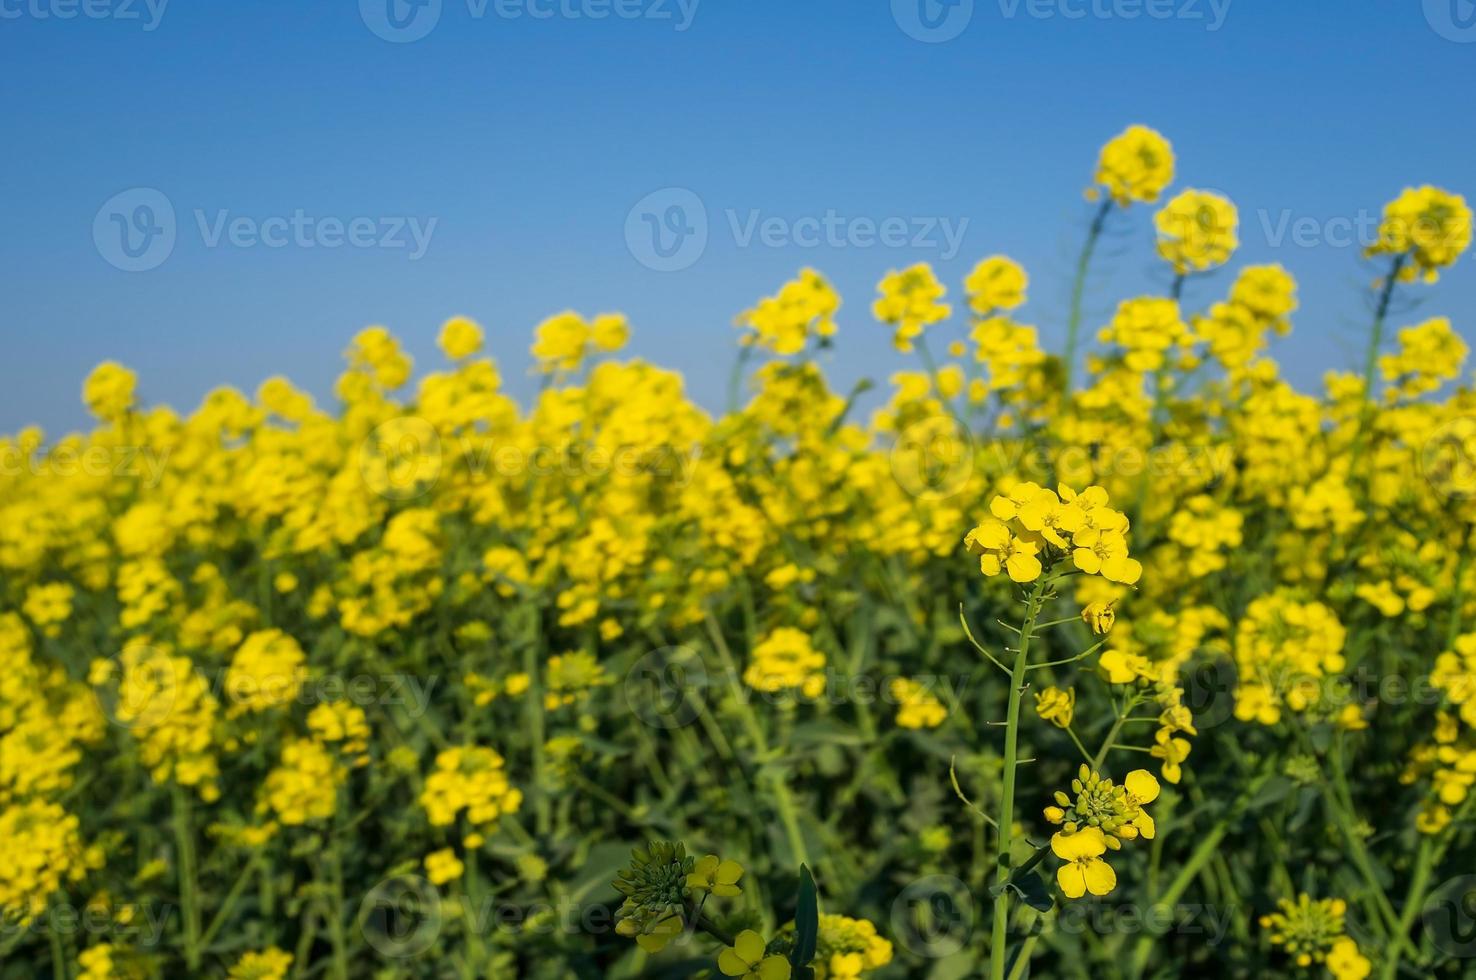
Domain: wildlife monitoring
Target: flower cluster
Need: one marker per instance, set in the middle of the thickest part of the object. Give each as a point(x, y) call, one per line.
point(473, 779)
point(786, 660)
point(1035, 527)
point(1311, 931)
point(1097, 819)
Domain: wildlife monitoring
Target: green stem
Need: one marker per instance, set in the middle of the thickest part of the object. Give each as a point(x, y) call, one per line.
point(1206, 849)
point(783, 802)
point(184, 842)
point(58, 956)
point(997, 952)
point(1078, 290)
point(1453, 628)
point(1371, 357)
point(222, 915)
point(533, 709)
point(1413, 903)
point(1110, 740)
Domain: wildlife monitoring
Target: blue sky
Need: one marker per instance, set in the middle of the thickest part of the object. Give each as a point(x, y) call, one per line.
point(528, 130)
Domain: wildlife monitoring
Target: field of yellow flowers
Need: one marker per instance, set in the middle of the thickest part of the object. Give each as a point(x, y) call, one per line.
point(1125, 660)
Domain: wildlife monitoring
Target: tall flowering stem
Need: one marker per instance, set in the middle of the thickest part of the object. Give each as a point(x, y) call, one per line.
point(1036, 600)
point(1078, 291)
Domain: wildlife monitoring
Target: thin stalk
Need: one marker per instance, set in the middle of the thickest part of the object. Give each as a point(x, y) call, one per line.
point(1006, 819)
point(1371, 357)
point(1078, 290)
point(1206, 849)
point(783, 802)
point(184, 842)
point(1413, 903)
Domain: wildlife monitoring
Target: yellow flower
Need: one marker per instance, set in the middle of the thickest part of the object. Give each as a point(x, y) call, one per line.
point(1056, 706)
point(1430, 226)
point(269, 964)
point(916, 705)
point(1346, 962)
point(996, 283)
point(711, 874)
point(1084, 870)
point(609, 331)
point(108, 391)
point(1136, 165)
point(1147, 328)
point(998, 550)
point(443, 866)
point(783, 323)
point(1099, 617)
point(1196, 231)
point(910, 301)
point(786, 660)
point(746, 959)
point(460, 338)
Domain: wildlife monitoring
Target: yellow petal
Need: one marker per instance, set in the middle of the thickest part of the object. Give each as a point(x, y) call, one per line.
point(1145, 825)
point(1142, 785)
point(774, 968)
point(1023, 568)
point(731, 964)
point(1100, 878)
point(1071, 880)
point(750, 946)
point(1085, 843)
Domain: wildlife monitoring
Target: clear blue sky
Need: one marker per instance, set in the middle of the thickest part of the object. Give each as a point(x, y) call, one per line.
point(530, 139)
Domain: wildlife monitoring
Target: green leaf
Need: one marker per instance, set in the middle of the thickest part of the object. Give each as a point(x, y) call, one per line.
point(1022, 871)
point(806, 922)
point(1033, 890)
